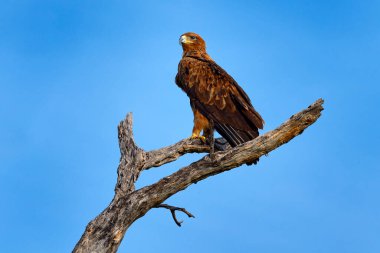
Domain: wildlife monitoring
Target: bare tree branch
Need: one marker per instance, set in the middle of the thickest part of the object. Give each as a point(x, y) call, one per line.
point(159, 157)
point(173, 209)
point(105, 232)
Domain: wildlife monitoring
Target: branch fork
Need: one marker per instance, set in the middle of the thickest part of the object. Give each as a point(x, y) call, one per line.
point(173, 209)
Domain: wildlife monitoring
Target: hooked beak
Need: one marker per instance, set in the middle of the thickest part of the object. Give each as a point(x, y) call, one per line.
point(183, 40)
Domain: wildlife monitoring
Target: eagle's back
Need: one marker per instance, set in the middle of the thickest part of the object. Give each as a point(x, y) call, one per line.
point(217, 96)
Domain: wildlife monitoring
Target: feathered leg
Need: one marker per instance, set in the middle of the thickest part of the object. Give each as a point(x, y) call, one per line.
point(200, 123)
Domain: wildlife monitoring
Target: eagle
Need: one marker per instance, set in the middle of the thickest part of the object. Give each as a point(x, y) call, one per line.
point(216, 99)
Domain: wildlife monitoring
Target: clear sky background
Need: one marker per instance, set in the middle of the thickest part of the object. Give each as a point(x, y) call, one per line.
point(71, 70)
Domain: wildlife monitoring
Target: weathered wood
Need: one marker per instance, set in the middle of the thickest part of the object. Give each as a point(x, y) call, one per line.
point(105, 232)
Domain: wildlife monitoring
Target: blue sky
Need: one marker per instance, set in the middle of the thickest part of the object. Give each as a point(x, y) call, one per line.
point(71, 70)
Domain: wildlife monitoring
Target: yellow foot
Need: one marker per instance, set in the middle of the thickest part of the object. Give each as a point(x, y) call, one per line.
point(200, 137)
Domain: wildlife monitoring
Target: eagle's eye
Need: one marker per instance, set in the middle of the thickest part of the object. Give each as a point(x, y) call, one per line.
point(193, 37)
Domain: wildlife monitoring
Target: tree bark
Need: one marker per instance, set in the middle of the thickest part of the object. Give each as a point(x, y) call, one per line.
point(106, 231)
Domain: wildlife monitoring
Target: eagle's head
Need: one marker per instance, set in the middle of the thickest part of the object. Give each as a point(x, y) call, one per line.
point(192, 41)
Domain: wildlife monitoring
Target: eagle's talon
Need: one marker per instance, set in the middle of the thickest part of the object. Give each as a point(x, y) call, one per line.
point(200, 137)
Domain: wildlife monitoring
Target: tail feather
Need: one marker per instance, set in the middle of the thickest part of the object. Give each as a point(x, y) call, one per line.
point(235, 136)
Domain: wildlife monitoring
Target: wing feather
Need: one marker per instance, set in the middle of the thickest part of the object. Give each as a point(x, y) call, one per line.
point(218, 97)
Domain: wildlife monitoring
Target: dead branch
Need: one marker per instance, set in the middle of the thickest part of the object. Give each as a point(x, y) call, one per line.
point(173, 209)
point(105, 232)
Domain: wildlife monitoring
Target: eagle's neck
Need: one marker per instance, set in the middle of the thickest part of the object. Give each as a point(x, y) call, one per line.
point(201, 54)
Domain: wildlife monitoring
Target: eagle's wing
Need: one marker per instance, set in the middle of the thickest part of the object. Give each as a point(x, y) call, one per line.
point(218, 97)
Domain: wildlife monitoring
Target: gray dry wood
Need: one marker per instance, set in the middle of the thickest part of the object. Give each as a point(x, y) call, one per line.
point(106, 231)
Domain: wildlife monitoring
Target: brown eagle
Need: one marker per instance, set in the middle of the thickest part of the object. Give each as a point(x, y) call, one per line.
point(215, 96)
